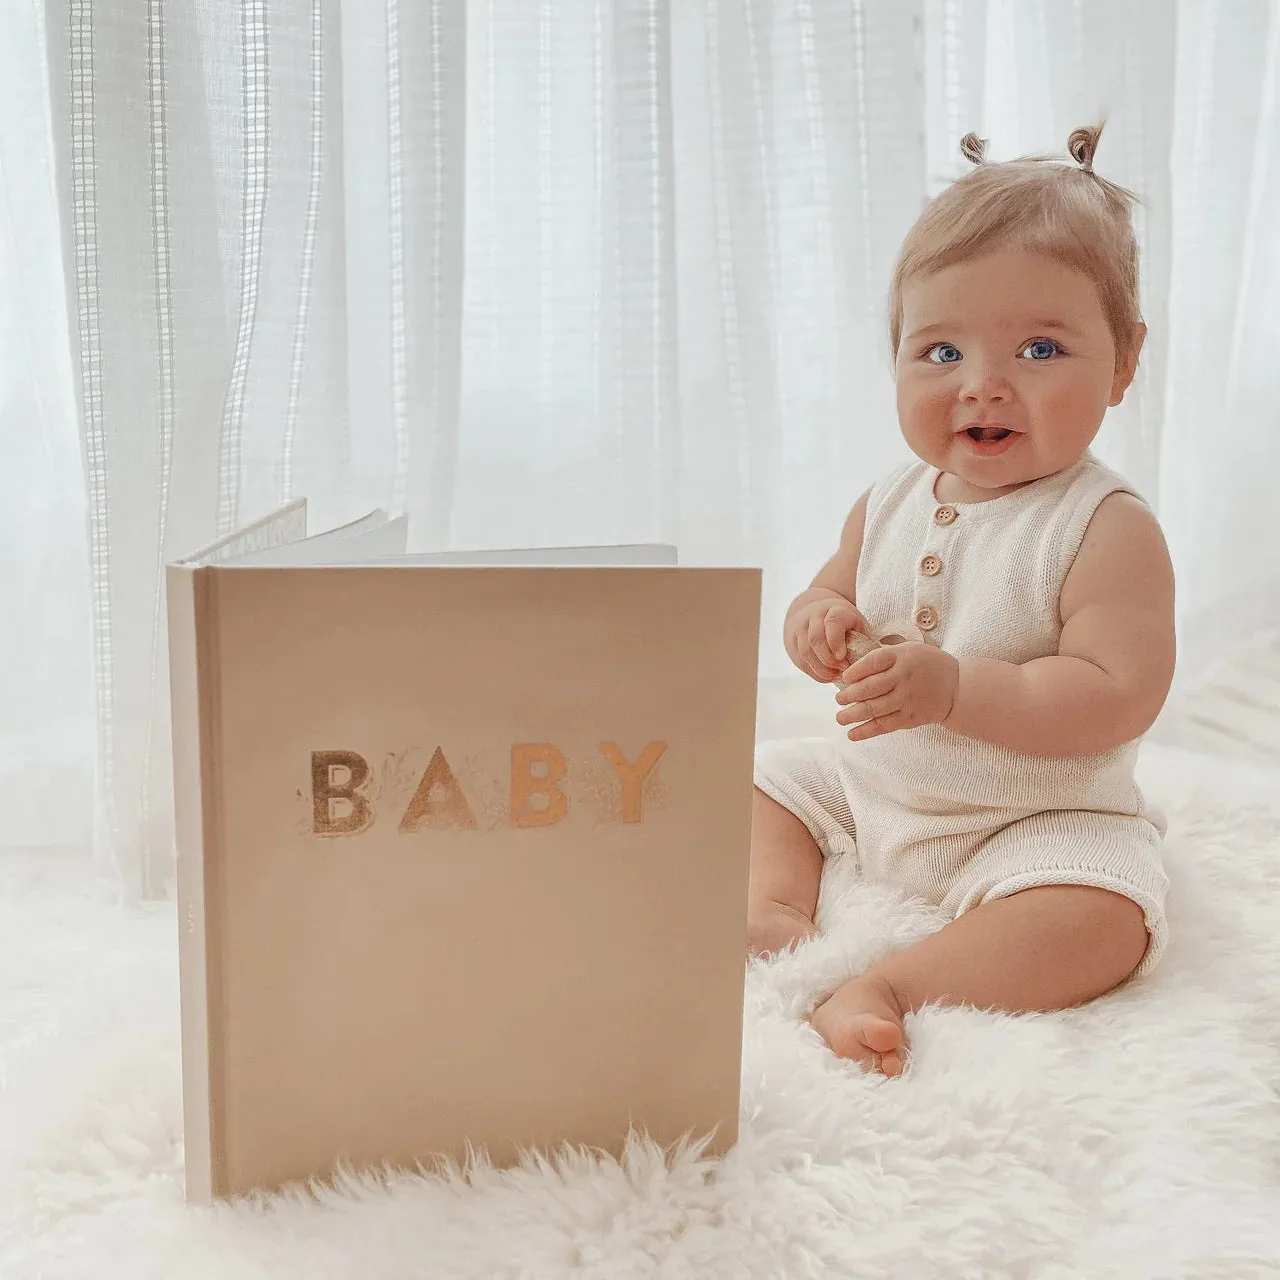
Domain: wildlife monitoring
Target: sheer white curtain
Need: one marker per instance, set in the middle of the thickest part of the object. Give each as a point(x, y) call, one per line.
point(572, 270)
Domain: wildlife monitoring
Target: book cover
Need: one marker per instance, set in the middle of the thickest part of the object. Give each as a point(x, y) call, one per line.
point(462, 857)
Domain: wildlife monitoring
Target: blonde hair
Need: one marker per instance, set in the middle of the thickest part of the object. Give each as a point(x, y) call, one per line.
point(1038, 205)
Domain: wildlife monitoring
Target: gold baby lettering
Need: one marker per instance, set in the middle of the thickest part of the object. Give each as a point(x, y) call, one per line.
point(633, 775)
point(525, 784)
point(438, 801)
point(337, 778)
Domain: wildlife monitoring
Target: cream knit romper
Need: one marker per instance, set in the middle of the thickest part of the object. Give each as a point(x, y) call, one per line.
point(947, 818)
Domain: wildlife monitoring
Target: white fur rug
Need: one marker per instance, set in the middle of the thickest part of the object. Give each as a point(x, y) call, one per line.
point(1138, 1137)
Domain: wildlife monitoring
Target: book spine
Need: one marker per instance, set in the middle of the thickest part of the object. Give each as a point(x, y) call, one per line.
point(193, 682)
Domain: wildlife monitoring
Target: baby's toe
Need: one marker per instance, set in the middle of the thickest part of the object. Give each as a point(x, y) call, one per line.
point(884, 1040)
point(871, 1041)
point(860, 1021)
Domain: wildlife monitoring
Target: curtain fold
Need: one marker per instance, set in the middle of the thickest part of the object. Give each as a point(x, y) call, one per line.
point(542, 271)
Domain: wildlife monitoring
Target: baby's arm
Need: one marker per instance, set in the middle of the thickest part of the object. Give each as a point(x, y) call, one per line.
point(1114, 665)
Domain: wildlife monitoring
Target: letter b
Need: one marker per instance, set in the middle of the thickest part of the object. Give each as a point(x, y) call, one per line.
point(525, 784)
point(327, 787)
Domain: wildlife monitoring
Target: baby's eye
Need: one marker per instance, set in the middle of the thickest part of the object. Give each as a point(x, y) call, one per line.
point(1041, 349)
point(943, 353)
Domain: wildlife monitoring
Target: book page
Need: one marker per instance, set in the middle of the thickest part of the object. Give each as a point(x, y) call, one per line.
point(280, 541)
point(649, 555)
point(372, 537)
point(279, 528)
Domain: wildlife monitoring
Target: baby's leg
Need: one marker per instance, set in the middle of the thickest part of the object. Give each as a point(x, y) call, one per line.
point(1046, 948)
point(786, 870)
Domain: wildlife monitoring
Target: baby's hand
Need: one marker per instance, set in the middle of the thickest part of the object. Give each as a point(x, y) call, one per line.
point(899, 686)
point(815, 637)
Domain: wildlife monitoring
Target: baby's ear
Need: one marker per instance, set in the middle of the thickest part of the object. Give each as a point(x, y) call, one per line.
point(1127, 364)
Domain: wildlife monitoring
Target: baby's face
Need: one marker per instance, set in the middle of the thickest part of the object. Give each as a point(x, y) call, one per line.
point(1014, 341)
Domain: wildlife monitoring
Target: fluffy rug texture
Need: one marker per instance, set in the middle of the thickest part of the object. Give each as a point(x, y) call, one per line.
point(1137, 1137)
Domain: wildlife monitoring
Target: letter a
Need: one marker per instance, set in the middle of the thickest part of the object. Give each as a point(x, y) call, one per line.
point(525, 784)
point(326, 789)
point(438, 801)
point(633, 775)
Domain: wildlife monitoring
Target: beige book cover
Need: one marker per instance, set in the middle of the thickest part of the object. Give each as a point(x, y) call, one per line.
point(462, 850)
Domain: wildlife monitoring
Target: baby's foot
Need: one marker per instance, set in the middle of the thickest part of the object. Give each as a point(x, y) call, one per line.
point(862, 1022)
point(773, 928)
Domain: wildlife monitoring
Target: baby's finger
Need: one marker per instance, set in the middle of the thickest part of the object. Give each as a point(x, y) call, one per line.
point(874, 686)
point(873, 663)
point(876, 728)
point(818, 669)
point(818, 644)
point(838, 624)
point(874, 709)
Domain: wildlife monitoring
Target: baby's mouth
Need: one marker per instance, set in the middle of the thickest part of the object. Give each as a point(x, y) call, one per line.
point(988, 433)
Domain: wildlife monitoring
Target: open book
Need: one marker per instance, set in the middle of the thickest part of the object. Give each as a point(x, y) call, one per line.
point(281, 539)
point(462, 848)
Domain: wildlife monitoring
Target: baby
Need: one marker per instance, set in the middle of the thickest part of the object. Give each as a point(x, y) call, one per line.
point(992, 771)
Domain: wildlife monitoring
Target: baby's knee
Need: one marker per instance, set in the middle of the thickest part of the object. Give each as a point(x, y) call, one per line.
point(1108, 928)
point(773, 926)
point(1119, 926)
point(786, 863)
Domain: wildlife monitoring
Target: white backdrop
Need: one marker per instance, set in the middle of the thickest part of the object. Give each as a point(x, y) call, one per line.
point(552, 272)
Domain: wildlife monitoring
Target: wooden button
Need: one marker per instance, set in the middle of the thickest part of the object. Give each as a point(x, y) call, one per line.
point(931, 566)
point(927, 618)
point(945, 515)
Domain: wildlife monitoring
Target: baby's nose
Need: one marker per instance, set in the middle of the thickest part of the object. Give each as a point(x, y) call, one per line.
point(984, 383)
